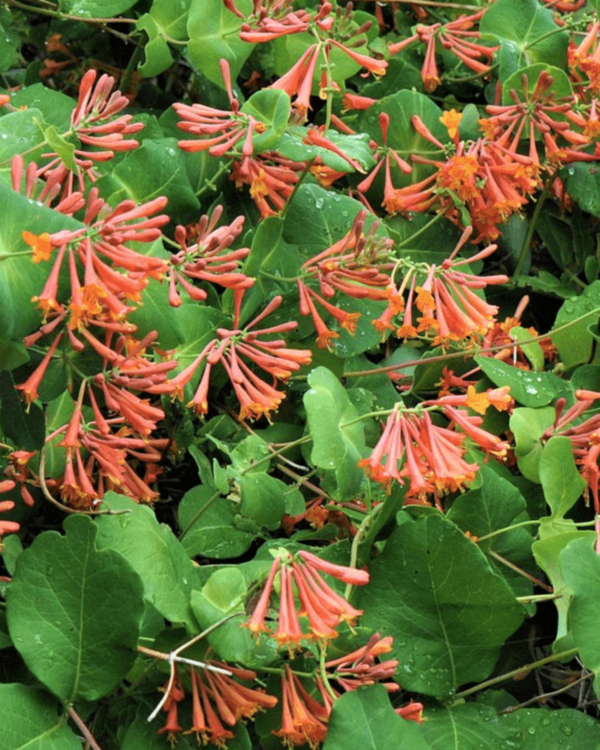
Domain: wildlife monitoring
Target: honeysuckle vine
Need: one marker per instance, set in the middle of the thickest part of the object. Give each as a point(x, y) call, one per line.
point(299, 373)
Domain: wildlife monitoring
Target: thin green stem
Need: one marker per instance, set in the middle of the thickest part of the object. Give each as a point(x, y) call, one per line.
point(538, 598)
point(200, 513)
point(463, 353)
point(516, 672)
point(135, 58)
point(287, 279)
point(303, 175)
point(380, 413)
point(66, 16)
point(279, 451)
point(533, 224)
point(520, 571)
point(552, 32)
point(356, 542)
point(324, 675)
point(210, 183)
point(424, 228)
point(505, 529)
point(6, 256)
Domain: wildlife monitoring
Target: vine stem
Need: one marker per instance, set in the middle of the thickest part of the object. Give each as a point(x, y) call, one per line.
point(521, 572)
point(200, 513)
point(172, 658)
point(357, 541)
point(516, 672)
point(533, 224)
point(273, 453)
point(464, 353)
point(505, 529)
point(65, 508)
point(84, 730)
point(424, 228)
point(544, 696)
point(67, 16)
point(433, 4)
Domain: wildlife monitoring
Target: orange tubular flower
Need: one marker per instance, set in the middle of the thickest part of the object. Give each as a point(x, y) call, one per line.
point(207, 259)
point(96, 122)
point(411, 712)
point(354, 266)
point(584, 436)
point(323, 608)
point(432, 457)
point(271, 179)
point(256, 397)
point(30, 386)
point(300, 724)
point(7, 527)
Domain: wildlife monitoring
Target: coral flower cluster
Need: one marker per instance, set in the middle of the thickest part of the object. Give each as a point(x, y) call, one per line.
point(319, 603)
point(230, 349)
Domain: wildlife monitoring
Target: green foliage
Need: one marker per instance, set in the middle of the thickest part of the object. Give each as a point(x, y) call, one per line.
point(74, 612)
point(371, 476)
point(441, 638)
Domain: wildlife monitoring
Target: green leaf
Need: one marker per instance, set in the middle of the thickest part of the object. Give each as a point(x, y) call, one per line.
point(213, 32)
point(519, 24)
point(223, 594)
point(580, 568)
point(156, 314)
point(19, 133)
point(443, 636)
point(154, 552)
point(478, 727)
point(262, 499)
point(156, 168)
point(337, 445)
point(531, 349)
point(30, 719)
point(561, 86)
point(582, 182)
point(95, 8)
point(64, 149)
point(74, 613)
point(563, 484)
point(528, 388)
point(466, 727)
point(540, 729)
point(292, 145)
point(575, 343)
point(364, 719)
point(9, 41)
point(21, 278)
point(157, 50)
point(528, 426)
point(402, 137)
point(25, 427)
point(213, 533)
point(13, 354)
point(491, 507)
point(433, 245)
point(317, 218)
point(547, 551)
point(55, 107)
point(271, 107)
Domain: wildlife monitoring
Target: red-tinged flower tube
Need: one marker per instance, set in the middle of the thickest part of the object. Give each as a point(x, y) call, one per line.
point(30, 386)
point(299, 725)
point(411, 712)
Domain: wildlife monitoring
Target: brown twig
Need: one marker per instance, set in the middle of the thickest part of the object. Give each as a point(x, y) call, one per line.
point(84, 730)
